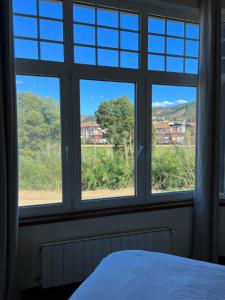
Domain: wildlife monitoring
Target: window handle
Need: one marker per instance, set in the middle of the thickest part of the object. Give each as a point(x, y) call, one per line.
point(140, 151)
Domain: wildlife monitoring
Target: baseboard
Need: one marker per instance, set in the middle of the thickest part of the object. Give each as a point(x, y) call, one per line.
point(221, 260)
point(61, 292)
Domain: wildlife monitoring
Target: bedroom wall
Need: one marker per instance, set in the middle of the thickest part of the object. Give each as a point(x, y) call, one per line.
point(31, 238)
point(222, 232)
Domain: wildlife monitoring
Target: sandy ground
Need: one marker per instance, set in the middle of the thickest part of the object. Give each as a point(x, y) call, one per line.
point(47, 197)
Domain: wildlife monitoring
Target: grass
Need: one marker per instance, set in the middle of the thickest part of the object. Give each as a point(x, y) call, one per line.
point(90, 152)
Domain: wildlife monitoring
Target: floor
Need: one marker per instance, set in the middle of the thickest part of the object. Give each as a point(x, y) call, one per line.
point(62, 293)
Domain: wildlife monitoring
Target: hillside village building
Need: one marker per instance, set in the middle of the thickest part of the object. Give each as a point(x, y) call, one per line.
point(173, 132)
point(166, 132)
point(92, 133)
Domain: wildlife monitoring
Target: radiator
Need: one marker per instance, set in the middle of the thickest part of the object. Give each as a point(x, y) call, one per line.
point(72, 261)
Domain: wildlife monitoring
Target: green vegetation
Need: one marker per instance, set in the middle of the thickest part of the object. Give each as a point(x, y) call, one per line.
point(103, 167)
point(176, 113)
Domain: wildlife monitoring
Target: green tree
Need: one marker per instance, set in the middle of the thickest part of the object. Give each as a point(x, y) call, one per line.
point(116, 117)
point(38, 122)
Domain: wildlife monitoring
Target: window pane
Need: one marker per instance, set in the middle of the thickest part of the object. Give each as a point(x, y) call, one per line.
point(156, 44)
point(129, 21)
point(107, 139)
point(52, 52)
point(84, 55)
point(128, 60)
point(51, 30)
point(191, 48)
point(108, 58)
point(175, 28)
point(84, 34)
point(85, 14)
point(175, 46)
point(191, 66)
point(25, 27)
point(174, 64)
point(107, 37)
point(173, 138)
point(39, 140)
point(156, 25)
point(26, 49)
point(156, 62)
point(129, 40)
point(25, 7)
point(51, 9)
point(107, 17)
point(192, 31)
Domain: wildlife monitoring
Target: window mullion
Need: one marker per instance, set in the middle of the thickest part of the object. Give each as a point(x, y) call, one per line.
point(143, 23)
point(68, 31)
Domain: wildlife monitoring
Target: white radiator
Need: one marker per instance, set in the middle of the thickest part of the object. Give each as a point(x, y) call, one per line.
point(72, 261)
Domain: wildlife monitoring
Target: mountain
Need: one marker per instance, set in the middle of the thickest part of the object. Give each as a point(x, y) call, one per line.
point(182, 112)
point(87, 118)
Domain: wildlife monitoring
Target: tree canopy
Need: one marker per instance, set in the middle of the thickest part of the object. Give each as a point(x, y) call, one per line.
point(38, 121)
point(116, 117)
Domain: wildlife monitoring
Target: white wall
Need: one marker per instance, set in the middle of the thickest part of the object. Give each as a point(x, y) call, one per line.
point(31, 238)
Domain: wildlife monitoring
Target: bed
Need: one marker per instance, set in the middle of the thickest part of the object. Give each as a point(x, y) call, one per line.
point(142, 275)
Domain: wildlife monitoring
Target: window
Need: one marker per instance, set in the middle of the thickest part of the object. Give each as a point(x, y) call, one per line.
point(107, 113)
point(106, 105)
point(39, 138)
point(173, 45)
point(173, 138)
point(107, 37)
point(38, 29)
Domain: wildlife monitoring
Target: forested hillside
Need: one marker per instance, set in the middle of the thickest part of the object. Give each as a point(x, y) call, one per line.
point(182, 112)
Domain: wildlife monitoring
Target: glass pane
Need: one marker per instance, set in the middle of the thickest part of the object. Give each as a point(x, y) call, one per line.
point(108, 58)
point(156, 62)
point(107, 139)
point(191, 48)
point(51, 30)
point(156, 44)
point(175, 46)
point(25, 27)
point(174, 64)
point(129, 21)
point(25, 7)
point(128, 59)
point(83, 13)
point(191, 66)
point(26, 49)
point(52, 52)
point(84, 34)
point(175, 28)
point(107, 37)
point(84, 55)
point(173, 138)
point(107, 17)
point(192, 31)
point(156, 25)
point(51, 9)
point(39, 140)
point(129, 40)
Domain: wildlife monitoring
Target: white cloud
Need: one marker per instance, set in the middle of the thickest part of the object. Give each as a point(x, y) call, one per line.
point(101, 97)
point(181, 101)
point(163, 103)
point(169, 103)
point(19, 82)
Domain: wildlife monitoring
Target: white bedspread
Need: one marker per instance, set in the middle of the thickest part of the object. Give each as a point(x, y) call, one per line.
point(141, 275)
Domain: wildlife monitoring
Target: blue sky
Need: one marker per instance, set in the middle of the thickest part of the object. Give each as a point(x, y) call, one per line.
point(94, 92)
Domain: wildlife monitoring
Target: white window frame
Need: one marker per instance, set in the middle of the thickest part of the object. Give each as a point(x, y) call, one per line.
point(70, 74)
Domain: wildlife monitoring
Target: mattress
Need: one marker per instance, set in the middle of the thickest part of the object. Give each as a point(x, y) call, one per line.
point(142, 275)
